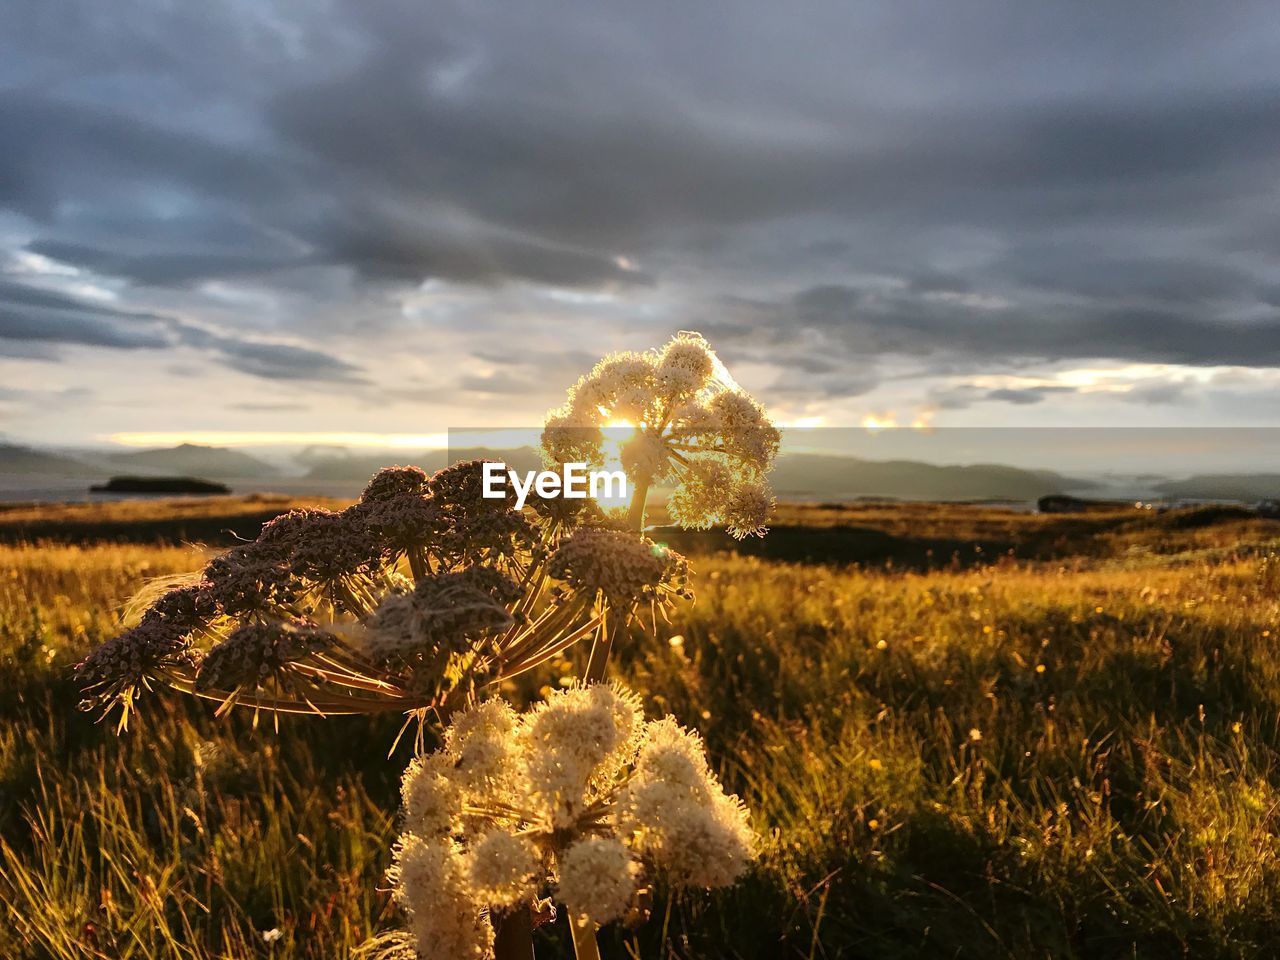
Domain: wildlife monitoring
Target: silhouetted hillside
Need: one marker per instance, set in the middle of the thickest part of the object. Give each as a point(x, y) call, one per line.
point(191, 459)
point(16, 459)
point(1246, 487)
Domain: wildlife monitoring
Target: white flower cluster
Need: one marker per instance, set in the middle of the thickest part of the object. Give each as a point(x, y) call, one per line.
point(694, 427)
point(578, 798)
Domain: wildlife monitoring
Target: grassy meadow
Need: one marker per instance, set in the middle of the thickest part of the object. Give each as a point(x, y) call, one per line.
point(994, 735)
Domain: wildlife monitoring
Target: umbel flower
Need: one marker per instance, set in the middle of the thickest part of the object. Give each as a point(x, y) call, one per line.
point(578, 799)
point(691, 426)
point(423, 594)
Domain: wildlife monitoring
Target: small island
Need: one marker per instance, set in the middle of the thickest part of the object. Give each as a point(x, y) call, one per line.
point(160, 485)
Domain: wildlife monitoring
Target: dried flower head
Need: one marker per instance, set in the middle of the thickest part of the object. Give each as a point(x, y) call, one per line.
point(189, 608)
point(333, 547)
point(459, 489)
point(251, 579)
point(404, 522)
point(259, 651)
point(121, 668)
point(448, 612)
point(392, 482)
point(619, 565)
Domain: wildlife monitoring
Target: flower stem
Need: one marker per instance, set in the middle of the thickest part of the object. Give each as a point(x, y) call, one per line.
point(635, 513)
point(514, 940)
point(584, 940)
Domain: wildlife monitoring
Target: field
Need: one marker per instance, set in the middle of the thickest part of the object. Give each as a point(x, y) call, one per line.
point(995, 735)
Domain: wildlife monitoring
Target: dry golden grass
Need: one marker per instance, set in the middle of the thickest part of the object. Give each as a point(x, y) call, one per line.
point(1071, 754)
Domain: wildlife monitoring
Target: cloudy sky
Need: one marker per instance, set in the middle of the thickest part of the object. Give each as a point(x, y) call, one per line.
point(314, 218)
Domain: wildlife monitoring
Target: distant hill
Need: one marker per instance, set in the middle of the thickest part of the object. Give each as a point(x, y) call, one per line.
point(16, 459)
point(194, 460)
point(821, 476)
point(1246, 487)
point(796, 476)
point(363, 466)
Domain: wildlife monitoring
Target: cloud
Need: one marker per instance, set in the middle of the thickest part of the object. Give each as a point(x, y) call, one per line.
point(835, 195)
point(32, 314)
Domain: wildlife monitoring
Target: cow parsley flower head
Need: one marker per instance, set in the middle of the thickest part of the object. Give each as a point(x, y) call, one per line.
point(572, 741)
point(578, 797)
point(687, 413)
point(616, 564)
point(432, 800)
point(259, 651)
point(748, 508)
point(597, 878)
point(429, 879)
point(448, 612)
point(678, 817)
point(392, 482)
point(123, 666)
point(502, 868)
point(481, 741)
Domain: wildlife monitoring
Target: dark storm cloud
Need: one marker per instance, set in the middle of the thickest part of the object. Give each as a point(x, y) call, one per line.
point(968, 334)
point(999, 184)
point(32, 314)
point(269, 359)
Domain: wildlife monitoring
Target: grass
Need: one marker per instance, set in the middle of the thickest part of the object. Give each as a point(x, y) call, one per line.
point(1065, 748)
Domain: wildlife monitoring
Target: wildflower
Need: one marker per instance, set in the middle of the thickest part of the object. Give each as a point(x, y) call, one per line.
point(121, 667)
point(390, 483)
point(335, 546)
point(254, 578)
point(189, 607)
point(565, 513)
point(501, 868)
point(402, 522)
point(573, 739)
point(481, 742)
point(748, 509)
point(678, 817)
point(597, 879)
point(446, 612)
point(580, 782)
point(430, 884)
point(431, 800)
point(459, 489)
point(618, 565)
point(258, 651)
point(692, 424)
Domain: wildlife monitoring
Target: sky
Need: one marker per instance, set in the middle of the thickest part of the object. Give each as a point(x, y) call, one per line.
point(366, 223)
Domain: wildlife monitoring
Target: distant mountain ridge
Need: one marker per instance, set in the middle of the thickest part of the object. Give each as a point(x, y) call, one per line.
point(1246, 487)
point(797, 476)
point(17, 459)
point(825, 476)
point(195, 460)
point(363, 466)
